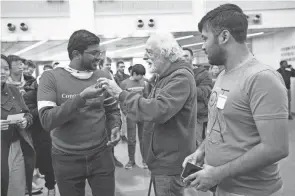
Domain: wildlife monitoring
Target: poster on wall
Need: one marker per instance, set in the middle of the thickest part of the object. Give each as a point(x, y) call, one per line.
point(288, 54)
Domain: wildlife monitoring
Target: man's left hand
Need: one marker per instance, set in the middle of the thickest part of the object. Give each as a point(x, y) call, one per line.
point(111, 86)
point(115, 137)
point(204, 179)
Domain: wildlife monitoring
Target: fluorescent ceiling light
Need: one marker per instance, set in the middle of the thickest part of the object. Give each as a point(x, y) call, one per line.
point(195, 44)
point(141, 46)
point(255, 34)
point(201, 43)
point(111, 41)
point(31, 47)
point(101, 44)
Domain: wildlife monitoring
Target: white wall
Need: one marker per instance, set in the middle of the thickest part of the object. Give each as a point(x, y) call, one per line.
point(268, 49)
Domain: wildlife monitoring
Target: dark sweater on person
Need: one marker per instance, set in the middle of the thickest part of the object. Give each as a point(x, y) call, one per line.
point(77, 126)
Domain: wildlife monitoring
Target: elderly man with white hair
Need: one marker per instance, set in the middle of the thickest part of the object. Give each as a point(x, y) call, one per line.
point(169, 112)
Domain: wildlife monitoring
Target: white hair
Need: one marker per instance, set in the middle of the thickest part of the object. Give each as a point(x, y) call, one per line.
point(167, 44)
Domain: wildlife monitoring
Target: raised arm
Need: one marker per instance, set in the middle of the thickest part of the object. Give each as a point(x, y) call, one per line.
point(51, 115)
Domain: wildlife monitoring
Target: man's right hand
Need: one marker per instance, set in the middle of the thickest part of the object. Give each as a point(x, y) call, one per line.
point(4, 125)
point(91, 92)
point(197, 158)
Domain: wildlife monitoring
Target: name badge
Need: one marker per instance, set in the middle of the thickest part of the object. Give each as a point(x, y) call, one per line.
point(288, 69)
point(221, 101)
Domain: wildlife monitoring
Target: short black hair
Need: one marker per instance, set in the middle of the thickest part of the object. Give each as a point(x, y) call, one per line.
point(119, 62)
point(108, 59)
point(190, 51)
point(80, 40)
point(282, 62)
point(130, 68)
point(47, 67)
point(13, 58)
point(138, 69)
point(30, 64)
point(5, 58)
point(226, 17)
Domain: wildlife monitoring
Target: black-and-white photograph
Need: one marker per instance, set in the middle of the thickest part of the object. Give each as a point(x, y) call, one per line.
point(147, 97)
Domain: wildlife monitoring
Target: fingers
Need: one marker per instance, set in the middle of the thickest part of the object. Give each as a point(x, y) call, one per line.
point(102, 81)
point(185, 161)
point(5, 122)
point(190, 177)
point(194, 182)
point(4, 127)
point(202, 187)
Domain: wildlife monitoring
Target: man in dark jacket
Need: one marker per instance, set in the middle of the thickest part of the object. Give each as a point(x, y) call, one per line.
point(120, 76)
point(287, 72)
point(41, 139)
point(170, 113)
point(204, 86)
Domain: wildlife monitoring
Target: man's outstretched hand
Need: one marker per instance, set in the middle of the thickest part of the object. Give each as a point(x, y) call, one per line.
point(111, 86)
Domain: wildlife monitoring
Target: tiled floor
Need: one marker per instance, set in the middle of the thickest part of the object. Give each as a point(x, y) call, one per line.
point(135, 182)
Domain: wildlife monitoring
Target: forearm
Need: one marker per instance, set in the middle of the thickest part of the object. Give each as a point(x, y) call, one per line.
point(52, 117)
point(113, 115)
point(201, 147)
point(258, 157)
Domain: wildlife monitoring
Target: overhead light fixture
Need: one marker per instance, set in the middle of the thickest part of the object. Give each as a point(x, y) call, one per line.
point(101, 44)
point(195, 44)
point(111, 41)
point(143, 45)
point(31, 47)
point(255, 34)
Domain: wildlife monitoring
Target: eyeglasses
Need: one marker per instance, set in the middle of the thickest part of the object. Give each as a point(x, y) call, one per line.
point(96, 53)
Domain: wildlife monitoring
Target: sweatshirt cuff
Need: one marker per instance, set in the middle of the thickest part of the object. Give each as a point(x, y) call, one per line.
point(123, 96)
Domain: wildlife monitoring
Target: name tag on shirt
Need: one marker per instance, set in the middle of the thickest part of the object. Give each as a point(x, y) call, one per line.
point(221, 101)
point(288, 69)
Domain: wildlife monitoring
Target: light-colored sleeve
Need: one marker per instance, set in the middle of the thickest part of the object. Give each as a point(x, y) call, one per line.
point(268, 96)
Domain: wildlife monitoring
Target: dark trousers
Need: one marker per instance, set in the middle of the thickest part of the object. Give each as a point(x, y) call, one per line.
point(168, 185)
point(42, 144)
point(131, 135)
point(71, 172)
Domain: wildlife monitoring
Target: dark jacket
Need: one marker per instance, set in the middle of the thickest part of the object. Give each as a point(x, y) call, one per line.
point(120, 78)
point(287, 74)
point(204, 86)
point(170, 114)
point(36, 129)
point(13, 103)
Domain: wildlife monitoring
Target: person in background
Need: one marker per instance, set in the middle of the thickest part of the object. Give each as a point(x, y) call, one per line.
point(169, 113)
point(55, 65)
point(130, 70)
point(134, 84)
point(120, 75)
point(204, 86)
point(287, 72)
point(214, 72)
point(17, 77)
point(45, 68)
point(29, 68)
point(105, 65)
point(247, 131)
point(17, 151)
point(79, 114)
point(41, 139)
